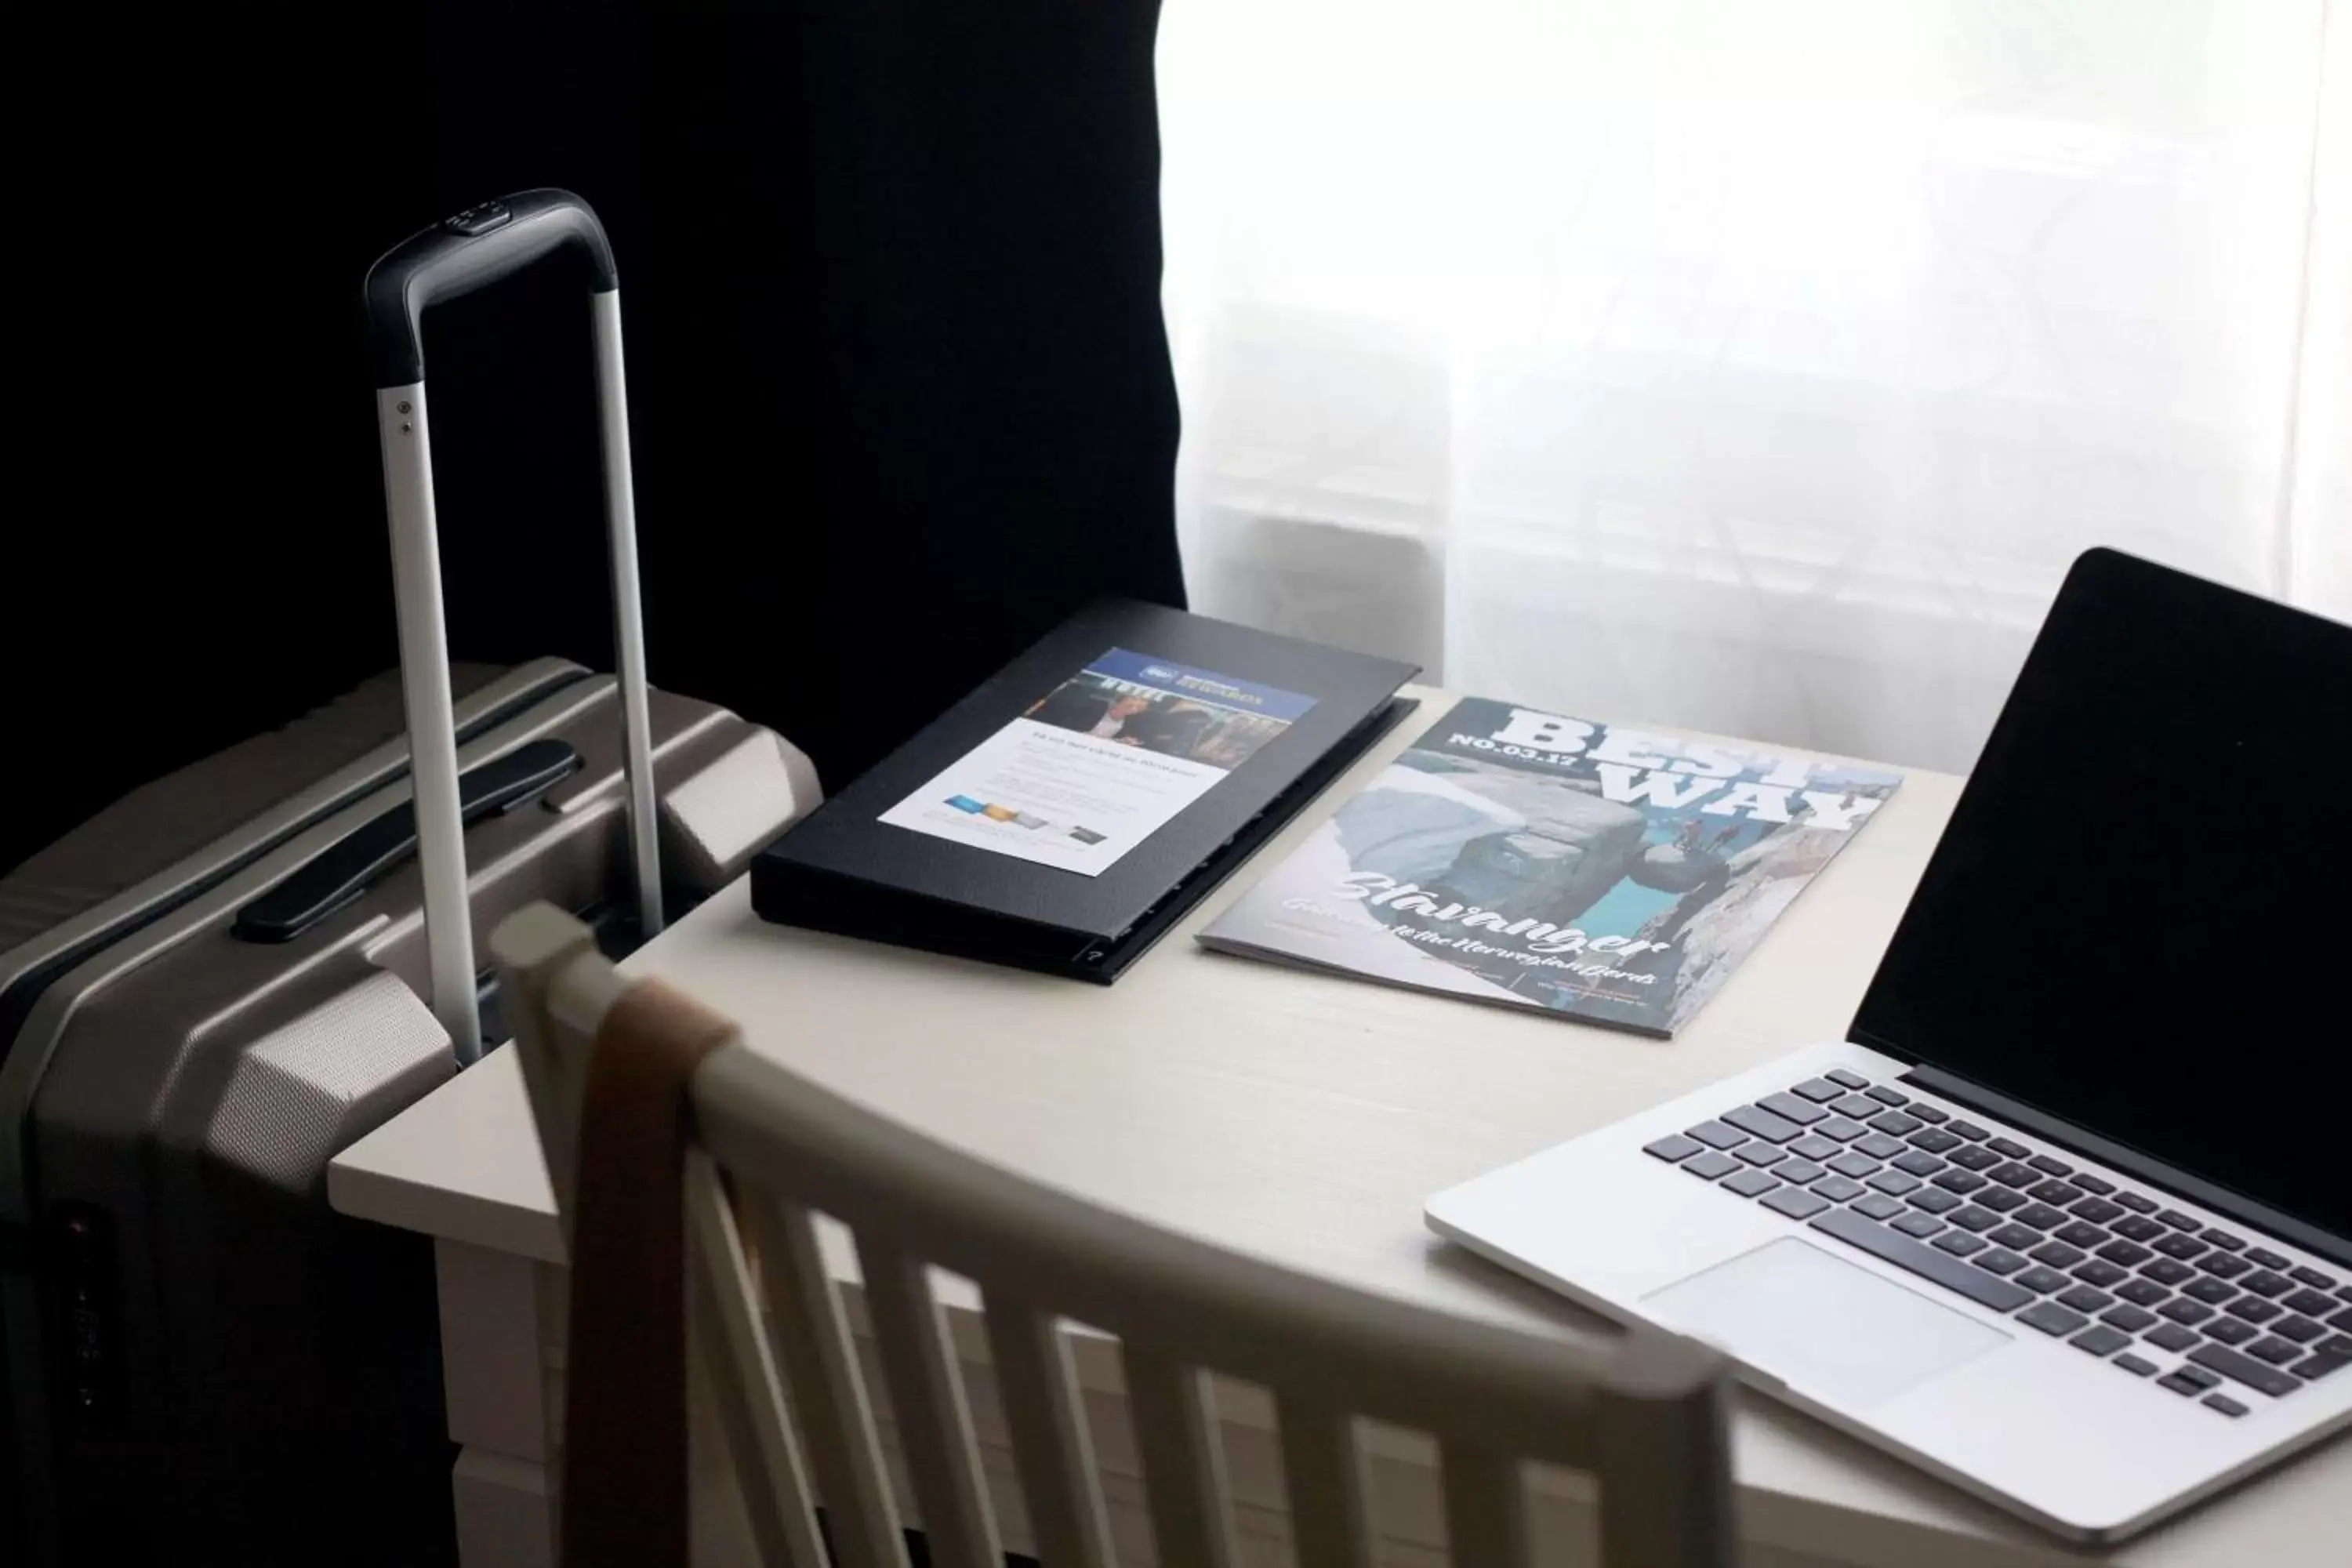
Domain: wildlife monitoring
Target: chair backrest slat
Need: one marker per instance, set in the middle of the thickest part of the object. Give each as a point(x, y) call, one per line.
point(1323, 1468)
point(1050, 1446)
point(820, 1362)
point(1485, 1506)
point(744, 1386)
point(1183, 1462)
point(927, 1396)
point(1648, 1416)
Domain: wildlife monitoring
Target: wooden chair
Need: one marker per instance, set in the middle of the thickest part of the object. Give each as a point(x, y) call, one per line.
point(1647, 1418)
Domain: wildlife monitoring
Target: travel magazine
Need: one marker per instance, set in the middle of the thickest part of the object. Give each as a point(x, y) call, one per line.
point(1531, 859)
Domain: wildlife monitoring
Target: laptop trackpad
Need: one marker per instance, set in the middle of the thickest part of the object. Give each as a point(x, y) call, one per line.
point(1820, 1324)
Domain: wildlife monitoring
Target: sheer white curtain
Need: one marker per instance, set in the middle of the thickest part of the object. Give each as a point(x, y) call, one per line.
point(1752, 365)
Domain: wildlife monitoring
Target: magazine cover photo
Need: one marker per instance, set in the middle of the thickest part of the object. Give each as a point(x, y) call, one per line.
point(1537, 860)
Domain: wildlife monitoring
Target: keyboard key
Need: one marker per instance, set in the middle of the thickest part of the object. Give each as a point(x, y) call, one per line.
point(2321, 1363)
point(2105, 1276)
point(1749, 1183)
point(1895, 1124)
point(1926, 1112)
point(2099, 1341)
point(2179, 1221)
point(1999, 1260)
point(1760, 1153)
point(2049, 1165)
point(1970, 1130)
point(1801, 1172)
point(1878, 1205)
point(1895, 1182)
point(2097, 1211)
point(2245, 1369)
point(2178, 1245)
point(2224, 1404)
point(1919, 1224)
point(1855, 1108)
point(2050, 1319)
point(1985, 1290)
point(1974, 1157)
point(2011, 1173)
point(1674, 1148)
point(2139, 1227)
point(1935, 1199)
point(2000, 1200)
point(2253, 1309)
point(1837, 1189)
point(2131, 1319)
point(2276, 1352)
point(2019, 1236)
point(2079, 1233)
point(2232, 1331)
point(1814, 1147)
point(2042, 1281)
point(1886, 1096)
point(1877, 1145)
point(1839, 1129)
point(1917, 1164)
point(1819, 1091)
point(1711, 1165)
point(2091, 1183)
point(2058, 1255)
point(1851, 1165)
point(2058, 1194)
point(1795, 1108)
point(2170, 1337)
point(2136, 1365)
point(1968, 1216)
point(1762, 1123)
point(2262, 1282)
point(2311, 1303)
point(2198, 1375)
point(1796, 1202)
point(1959, 1181)
point(1959, 1243)
point(2124, 1253)
point(2264, 1258)
point(1715, 1134)
point(2009, 1149)
point(2041, 1217)
point(2136, 1202)
point(2342, 1321)
point(2224, 1240)
point(2083, 1298)
point(2141, 1293)
point(2180, 1386)
point(2223, 1264)
point(1933, 1140)
point(2211, 1291)
point(2164, 1270)
point(2311, 1277)
point(1849, 1078)
point(2182, 1310)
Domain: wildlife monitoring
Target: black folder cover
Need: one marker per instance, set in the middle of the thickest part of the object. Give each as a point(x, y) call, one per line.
point(841, 869)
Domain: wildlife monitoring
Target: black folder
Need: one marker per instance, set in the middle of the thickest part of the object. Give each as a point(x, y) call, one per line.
point(844, 870)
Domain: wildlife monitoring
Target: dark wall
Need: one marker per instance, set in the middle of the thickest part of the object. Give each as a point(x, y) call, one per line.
point(900, 394)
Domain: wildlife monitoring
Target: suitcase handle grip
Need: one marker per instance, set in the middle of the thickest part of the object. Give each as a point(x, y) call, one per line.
point(460, 254)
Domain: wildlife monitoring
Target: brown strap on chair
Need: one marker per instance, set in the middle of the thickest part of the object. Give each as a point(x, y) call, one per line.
point(624, 1459)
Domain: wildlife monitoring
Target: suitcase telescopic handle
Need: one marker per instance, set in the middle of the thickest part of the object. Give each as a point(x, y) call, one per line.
point(460, 254)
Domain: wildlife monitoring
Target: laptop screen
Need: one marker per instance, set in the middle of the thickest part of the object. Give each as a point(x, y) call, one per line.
point(2140, 916)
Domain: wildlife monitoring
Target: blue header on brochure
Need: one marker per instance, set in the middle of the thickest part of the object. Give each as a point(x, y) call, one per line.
point(1203, 685)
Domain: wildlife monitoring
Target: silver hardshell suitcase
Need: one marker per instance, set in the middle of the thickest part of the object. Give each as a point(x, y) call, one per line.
point(214, 986)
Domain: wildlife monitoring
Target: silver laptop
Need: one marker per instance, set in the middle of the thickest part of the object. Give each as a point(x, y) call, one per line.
point(2067, 1218)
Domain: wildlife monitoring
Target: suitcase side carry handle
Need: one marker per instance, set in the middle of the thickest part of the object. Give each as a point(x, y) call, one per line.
point(474, 249)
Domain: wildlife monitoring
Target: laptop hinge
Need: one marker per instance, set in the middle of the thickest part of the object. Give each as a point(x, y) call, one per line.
point(2155, 1172)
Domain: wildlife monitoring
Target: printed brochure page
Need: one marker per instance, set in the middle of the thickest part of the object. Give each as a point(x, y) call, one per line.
point(1099, 764)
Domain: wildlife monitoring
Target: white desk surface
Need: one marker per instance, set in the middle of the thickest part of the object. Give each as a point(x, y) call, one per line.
point(1307, 1117)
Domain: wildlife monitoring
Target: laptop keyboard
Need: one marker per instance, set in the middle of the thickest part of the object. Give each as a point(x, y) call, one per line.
point(2118, 1275)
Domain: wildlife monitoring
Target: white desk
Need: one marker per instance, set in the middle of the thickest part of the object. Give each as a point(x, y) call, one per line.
point(1298, 1116)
